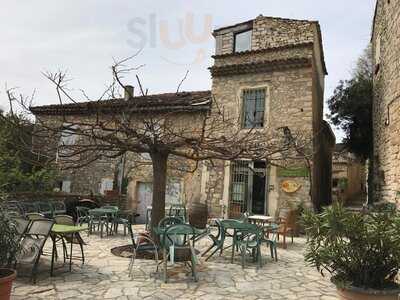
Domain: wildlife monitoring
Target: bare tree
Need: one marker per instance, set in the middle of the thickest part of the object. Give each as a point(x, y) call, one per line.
point(190, 126)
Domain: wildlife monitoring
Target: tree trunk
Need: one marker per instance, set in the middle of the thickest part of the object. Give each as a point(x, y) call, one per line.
point(159, 160)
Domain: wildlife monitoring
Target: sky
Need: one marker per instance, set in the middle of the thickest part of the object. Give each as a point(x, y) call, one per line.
point(84, 38)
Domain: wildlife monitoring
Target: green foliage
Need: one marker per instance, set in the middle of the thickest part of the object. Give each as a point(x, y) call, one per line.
point(19, 168)
point(9, 244)
point(351, 108)
point(360, 250)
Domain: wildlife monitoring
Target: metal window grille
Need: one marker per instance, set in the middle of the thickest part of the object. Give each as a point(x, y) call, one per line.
point(239, 188)
point(254, 108)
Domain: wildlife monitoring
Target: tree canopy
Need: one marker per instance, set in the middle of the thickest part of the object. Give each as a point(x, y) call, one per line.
point(351, 107)
point(19, 171)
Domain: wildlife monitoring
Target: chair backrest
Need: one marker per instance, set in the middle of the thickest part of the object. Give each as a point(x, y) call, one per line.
point(179, 235)
point(177, 210)
point(13, 207)
point(64, 220)
point(244, 217)
point(252, 232)
point(220, 236)
point(29, 207)
point(168, 221)
point(40, 227)
point(34, 216)
point(82, 211)
point(45, 208)
point(21, 225)
point(110, 207)
point(59, 207)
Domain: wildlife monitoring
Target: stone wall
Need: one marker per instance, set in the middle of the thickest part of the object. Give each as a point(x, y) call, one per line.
point(267, 33)
point(386, 104)
point(294, 96)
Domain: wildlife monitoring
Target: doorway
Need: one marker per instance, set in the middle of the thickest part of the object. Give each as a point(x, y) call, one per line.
point(248, 188)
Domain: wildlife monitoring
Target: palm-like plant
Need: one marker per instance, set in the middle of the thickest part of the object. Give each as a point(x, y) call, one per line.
point(358, 249)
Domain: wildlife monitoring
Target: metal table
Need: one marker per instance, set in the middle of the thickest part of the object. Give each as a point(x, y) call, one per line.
point(237, 226)
point(63, 230)
point(99, 212)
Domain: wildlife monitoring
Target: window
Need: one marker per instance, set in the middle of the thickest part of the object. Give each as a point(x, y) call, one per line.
point(66, 186)
point(243, 41)
point(106, 185)
point(253, 108)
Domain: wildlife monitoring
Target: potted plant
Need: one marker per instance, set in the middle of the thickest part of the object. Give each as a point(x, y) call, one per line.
point(9, 246)
point(361, 251)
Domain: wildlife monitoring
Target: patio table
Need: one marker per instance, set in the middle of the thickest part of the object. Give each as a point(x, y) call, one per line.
point(62, 230)
point(260, 219)
point(237, 226)
point(99, 212)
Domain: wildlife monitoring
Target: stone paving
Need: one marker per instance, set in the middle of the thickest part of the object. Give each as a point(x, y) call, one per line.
point(105, 276)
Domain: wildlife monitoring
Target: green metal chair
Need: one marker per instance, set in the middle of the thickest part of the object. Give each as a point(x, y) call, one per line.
point(250, 241)
point(180, 239)
point(45, 208)
point(179, 211)
point(270, 238)
point(168, 221)
point(217, 240)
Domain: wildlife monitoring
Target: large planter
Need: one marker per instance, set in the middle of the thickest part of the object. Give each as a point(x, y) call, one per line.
point(198, 215)
point(354, 293)
point(7, 277)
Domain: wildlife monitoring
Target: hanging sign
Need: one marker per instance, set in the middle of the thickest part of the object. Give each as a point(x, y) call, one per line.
point(290, 186)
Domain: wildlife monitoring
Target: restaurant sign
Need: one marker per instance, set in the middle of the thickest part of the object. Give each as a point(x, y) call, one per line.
point(291, 172)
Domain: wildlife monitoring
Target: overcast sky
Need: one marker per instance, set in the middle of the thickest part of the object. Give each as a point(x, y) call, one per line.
point(83, 37)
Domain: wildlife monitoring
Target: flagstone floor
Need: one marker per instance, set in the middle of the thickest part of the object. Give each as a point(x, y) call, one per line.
point(105, 276)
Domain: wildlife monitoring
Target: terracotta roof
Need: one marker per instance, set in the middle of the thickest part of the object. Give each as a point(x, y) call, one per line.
point(263, 66)
point(167, 102)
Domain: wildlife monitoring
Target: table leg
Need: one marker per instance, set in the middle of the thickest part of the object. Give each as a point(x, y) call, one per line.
point(52, 254)
point(233, 245)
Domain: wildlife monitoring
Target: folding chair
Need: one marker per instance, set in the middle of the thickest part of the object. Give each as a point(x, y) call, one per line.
point(32, 244)
point(75, 239)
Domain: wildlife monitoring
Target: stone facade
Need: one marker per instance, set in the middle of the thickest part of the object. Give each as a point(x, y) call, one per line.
point(349, 178)
point(386, 104)
point(285, 60)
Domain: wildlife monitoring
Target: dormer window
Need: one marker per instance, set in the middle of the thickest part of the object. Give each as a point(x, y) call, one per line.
point(242, 41)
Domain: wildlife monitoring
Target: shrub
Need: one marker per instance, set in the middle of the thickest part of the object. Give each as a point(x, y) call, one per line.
point(360, 250)
point(9, 244)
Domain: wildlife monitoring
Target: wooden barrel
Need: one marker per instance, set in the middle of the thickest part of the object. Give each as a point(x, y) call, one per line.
point(198, 215)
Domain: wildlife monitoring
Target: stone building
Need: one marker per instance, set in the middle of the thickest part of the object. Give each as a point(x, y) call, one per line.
point(386, 103)
point(269, 73)
point(348, 178)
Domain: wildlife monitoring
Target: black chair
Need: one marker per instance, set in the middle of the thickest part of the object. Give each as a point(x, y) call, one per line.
point(32, 244)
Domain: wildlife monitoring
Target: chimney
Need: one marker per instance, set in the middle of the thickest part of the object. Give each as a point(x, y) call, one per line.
point(128, 92)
